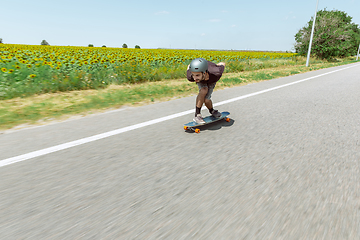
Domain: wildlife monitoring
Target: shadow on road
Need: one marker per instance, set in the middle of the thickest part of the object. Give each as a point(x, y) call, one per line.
point(214, 126)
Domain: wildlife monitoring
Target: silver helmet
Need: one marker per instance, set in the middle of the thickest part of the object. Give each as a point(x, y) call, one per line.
point(198, 65)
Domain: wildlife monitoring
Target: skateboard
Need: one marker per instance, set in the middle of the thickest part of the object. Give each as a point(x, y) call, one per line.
point(209, 119)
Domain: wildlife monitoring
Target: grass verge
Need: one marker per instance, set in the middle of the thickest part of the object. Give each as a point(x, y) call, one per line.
point(22, 112)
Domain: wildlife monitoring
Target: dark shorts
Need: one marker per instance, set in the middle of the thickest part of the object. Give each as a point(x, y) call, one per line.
point(210, 88)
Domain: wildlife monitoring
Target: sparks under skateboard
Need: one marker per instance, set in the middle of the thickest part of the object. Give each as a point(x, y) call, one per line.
point(193, 126)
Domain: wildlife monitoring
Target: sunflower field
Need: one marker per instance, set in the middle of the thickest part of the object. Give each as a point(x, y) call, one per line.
point(31, 69)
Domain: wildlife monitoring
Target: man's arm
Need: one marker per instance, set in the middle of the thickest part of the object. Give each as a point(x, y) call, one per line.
point(189, 75)
point(216, 69)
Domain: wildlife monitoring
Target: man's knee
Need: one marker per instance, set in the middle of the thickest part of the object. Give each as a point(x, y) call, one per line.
point(203, 91)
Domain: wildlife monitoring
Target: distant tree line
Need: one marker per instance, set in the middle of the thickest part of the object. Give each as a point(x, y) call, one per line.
point(45, 43)
point(123, 46)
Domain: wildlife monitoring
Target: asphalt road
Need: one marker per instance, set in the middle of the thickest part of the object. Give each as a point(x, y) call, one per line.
point(286, 167)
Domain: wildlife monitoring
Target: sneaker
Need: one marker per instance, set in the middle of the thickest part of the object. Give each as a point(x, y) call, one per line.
point(199, 119)
point(216, 114)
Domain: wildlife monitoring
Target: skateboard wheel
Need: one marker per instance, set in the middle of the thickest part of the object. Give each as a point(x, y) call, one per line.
point(227, 119)
point(197, 130)
point(186, 128)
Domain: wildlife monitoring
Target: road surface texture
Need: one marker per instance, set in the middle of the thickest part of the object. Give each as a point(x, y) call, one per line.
point(287, 166)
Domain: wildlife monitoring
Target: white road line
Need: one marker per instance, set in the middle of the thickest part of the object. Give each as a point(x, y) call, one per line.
point(60, 147)
point(278, 87)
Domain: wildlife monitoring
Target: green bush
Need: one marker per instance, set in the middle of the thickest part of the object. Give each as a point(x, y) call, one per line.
point(44, 42)
point(334, 36)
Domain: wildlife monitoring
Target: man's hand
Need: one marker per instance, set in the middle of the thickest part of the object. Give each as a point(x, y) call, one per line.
point(221, 63)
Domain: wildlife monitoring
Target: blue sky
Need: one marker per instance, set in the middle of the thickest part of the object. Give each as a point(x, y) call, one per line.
point(187, 24)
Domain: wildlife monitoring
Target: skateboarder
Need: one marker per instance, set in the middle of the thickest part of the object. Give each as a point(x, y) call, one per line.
point(205, 74)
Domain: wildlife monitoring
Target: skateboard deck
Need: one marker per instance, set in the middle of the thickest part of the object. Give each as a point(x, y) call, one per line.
point(193, 126)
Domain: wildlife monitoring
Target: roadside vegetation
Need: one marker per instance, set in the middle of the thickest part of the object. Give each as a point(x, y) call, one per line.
point(22, 111)
point(43, 83)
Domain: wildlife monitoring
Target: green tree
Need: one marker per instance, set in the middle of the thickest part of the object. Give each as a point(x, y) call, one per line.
point(334, 35)
point(124, 45)
point(137, 46)
point(91, 45)
point(1, 41)
point(44, 42)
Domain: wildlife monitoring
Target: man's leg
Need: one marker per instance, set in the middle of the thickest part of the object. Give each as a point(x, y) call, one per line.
point(200, 99)
point(208, 102)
